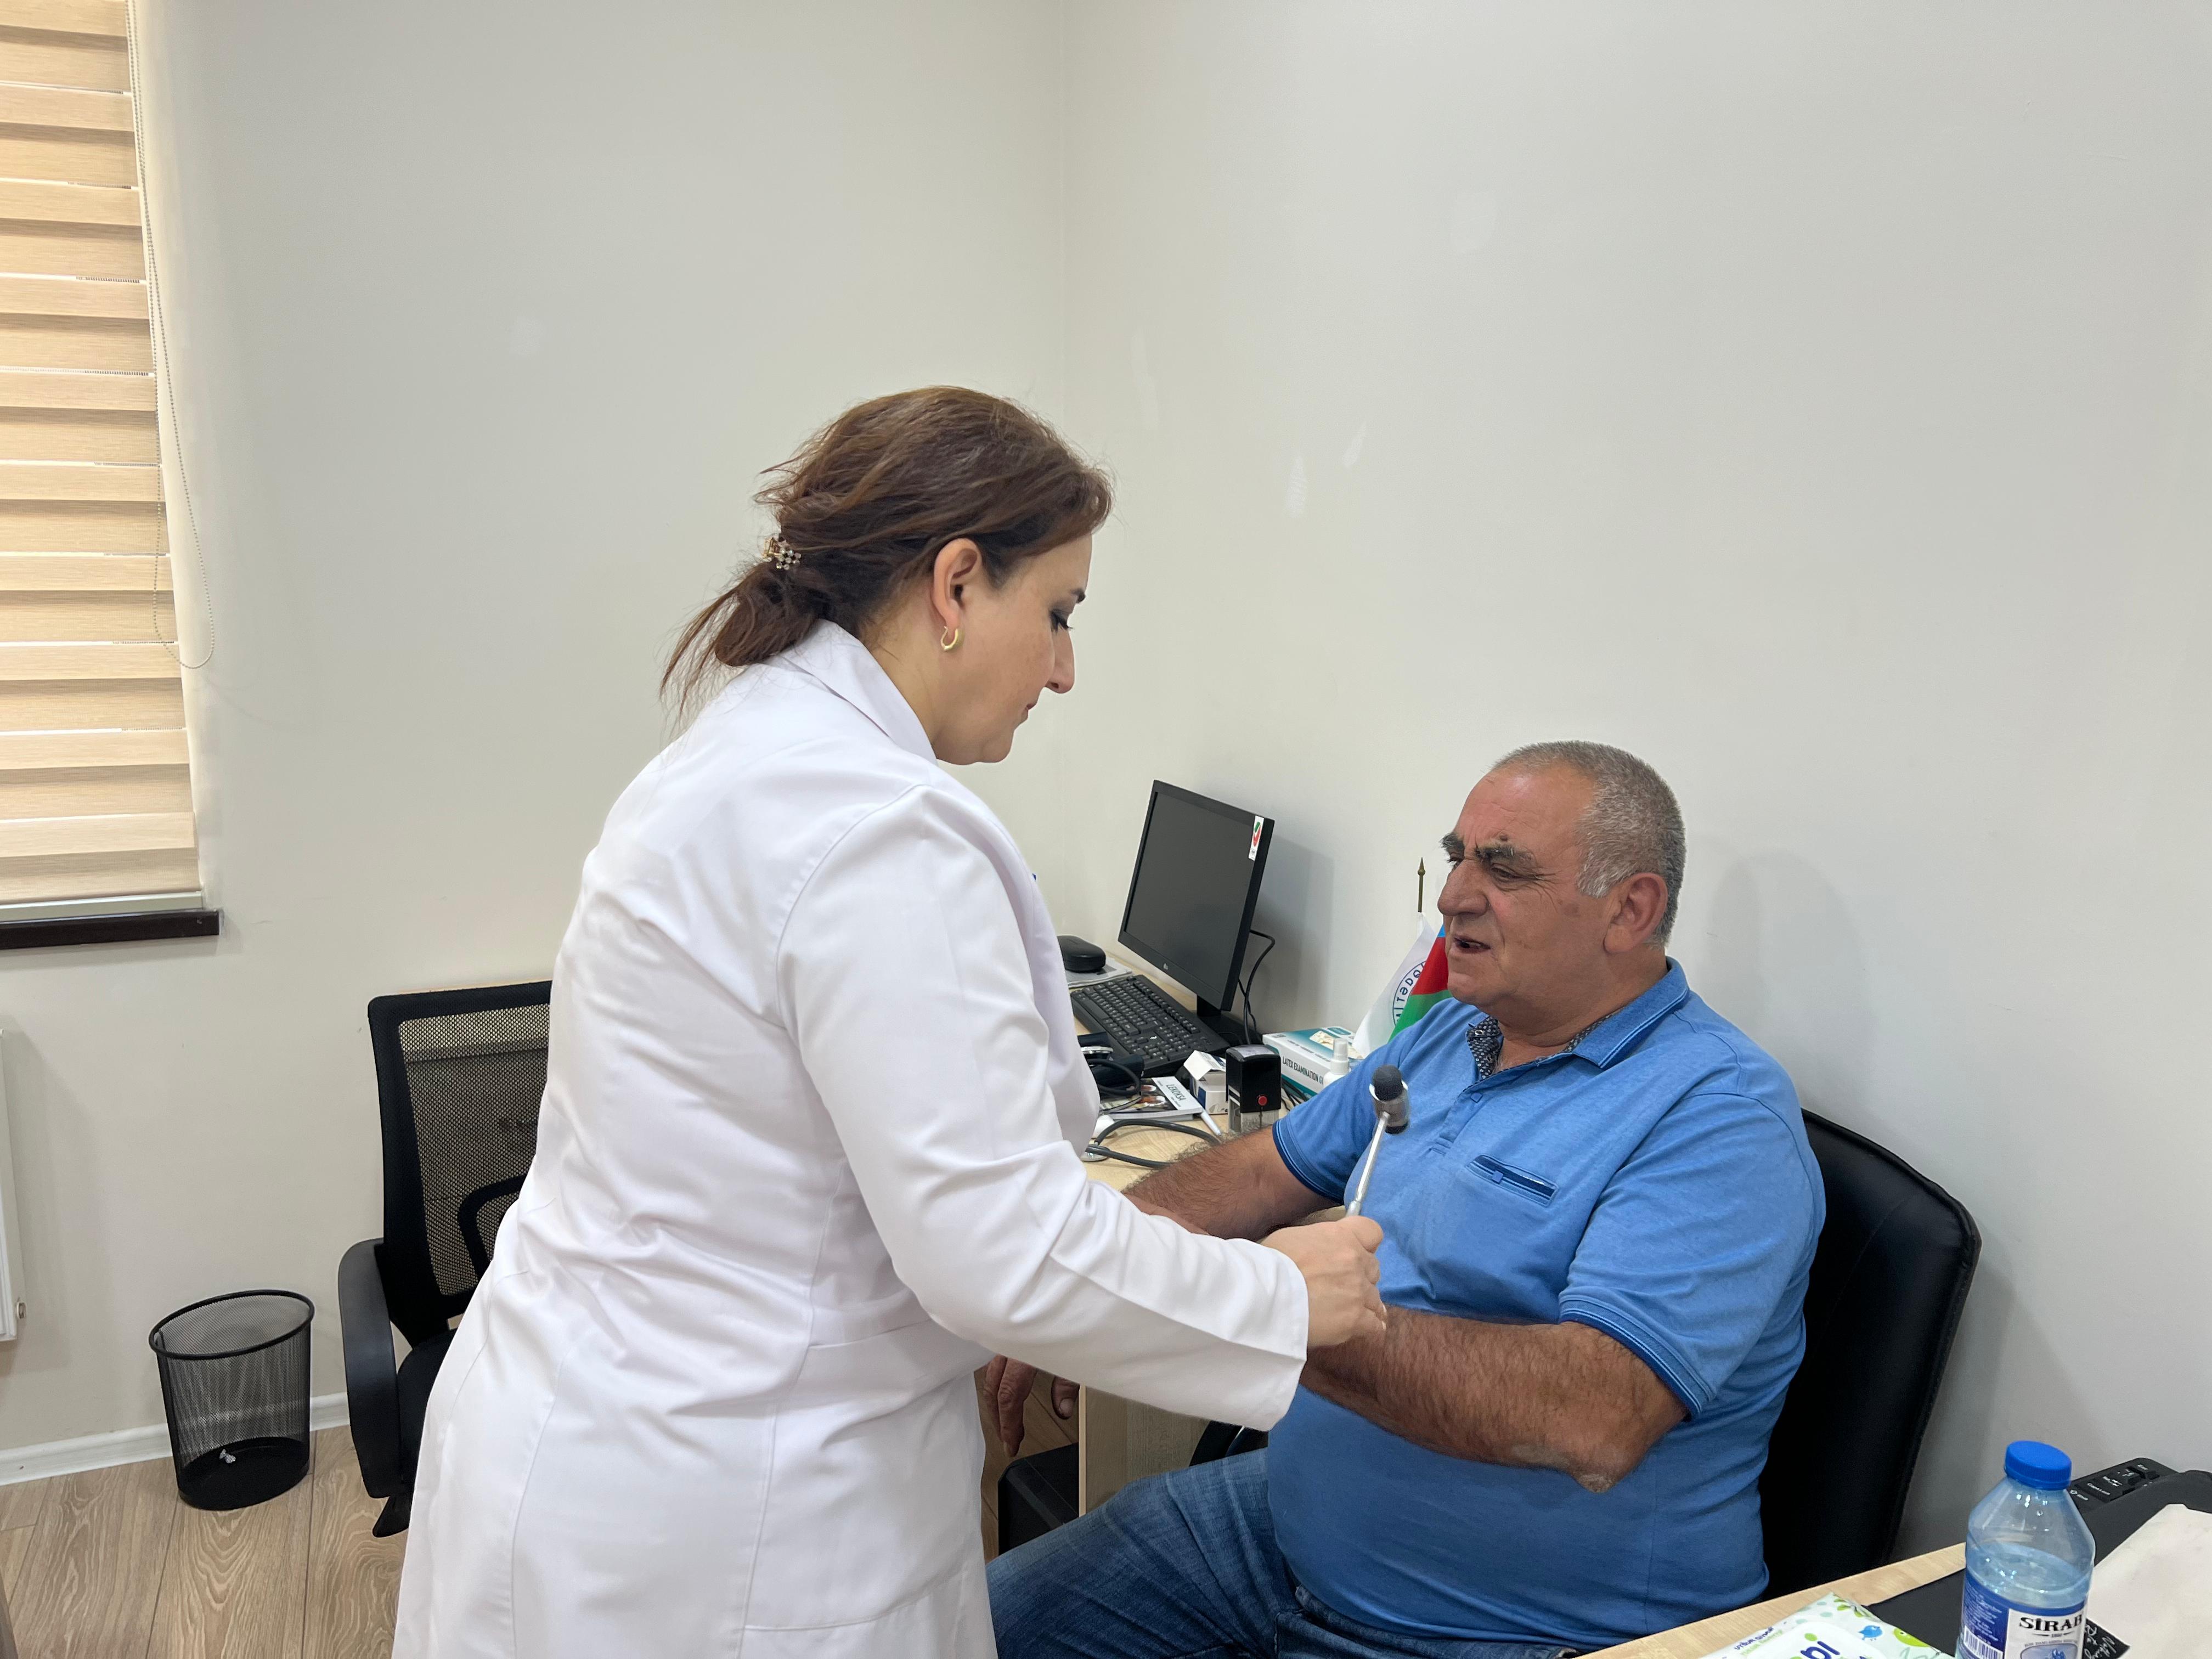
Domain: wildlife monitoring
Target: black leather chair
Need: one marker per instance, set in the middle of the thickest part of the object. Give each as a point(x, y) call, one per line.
point(459, 1078)
point(1037, 1493)
point(1889, 1282)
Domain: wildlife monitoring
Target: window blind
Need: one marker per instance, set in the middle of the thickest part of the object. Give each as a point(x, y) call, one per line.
point(95, 792)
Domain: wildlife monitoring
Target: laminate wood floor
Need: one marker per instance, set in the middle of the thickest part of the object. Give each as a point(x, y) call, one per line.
point(112, 1564)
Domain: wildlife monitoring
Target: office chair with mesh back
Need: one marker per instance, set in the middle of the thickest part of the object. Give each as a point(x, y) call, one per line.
point(459, 1078)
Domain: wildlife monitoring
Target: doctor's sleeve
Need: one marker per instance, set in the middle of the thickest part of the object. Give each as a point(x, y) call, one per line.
point(905, 982)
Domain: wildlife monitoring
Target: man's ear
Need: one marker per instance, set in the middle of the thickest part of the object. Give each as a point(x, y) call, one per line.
point(1638, 903)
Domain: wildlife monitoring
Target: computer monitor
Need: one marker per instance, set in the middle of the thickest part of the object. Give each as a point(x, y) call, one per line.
point(1192, 895)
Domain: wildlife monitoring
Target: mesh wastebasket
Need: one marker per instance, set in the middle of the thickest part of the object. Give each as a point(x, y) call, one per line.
point(234, 1384)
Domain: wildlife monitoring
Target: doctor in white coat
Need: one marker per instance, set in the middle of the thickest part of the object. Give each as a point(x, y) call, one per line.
point(808, 1150)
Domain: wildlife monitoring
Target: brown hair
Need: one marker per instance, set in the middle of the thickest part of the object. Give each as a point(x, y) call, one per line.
point(869, 501)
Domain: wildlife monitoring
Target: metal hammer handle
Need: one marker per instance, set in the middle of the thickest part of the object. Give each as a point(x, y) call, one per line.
point(1374, 1150)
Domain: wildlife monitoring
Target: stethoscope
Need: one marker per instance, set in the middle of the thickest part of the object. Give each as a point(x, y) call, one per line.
point(1125, 1078)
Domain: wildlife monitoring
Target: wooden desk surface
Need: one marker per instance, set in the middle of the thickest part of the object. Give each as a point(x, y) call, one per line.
point(1726, 1628)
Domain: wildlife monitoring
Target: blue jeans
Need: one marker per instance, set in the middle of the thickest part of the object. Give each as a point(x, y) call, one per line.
point(1184, 1566)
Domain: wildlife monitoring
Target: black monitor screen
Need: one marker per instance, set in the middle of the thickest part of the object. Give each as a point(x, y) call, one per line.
point(1191, 894)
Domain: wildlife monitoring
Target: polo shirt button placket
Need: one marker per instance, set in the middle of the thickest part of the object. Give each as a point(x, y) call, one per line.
point(1463, 1111)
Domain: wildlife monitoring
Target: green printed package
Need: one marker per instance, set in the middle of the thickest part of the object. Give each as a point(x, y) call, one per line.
point(1832, 1628)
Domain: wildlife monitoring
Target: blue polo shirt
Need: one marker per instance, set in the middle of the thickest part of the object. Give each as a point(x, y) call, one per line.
point(1654, 1182)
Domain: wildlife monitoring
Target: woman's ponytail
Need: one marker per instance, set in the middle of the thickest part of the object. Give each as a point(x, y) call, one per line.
point(763, 614)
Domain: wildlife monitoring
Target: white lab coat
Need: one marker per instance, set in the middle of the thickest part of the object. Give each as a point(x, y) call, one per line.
point(807, 1155)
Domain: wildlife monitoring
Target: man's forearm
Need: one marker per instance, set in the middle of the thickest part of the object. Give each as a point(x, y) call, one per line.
point(1239, 1189)
point(1563, 1397)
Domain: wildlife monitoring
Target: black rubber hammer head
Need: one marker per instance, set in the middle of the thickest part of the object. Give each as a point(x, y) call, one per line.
point(1392, 1104)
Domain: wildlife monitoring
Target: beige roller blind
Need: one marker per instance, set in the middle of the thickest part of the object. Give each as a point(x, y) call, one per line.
point(95, 792)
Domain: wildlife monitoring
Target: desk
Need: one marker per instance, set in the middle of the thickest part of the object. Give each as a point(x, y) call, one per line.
point(1117, 1440)
point(1725, 1629)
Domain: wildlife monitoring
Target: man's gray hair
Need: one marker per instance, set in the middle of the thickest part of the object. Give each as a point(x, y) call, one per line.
point(1632, 824)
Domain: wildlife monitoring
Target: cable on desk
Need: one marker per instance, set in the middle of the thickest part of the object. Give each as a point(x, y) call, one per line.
point(1251, 1028)
point(1132, 1088)
point(1098, 1149)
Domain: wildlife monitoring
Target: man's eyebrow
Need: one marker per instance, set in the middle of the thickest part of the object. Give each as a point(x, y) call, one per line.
point(1500, 855)
point(1504, 856)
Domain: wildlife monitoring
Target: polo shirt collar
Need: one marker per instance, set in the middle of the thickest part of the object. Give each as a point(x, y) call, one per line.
point(1620, 1031)
point(848, 668)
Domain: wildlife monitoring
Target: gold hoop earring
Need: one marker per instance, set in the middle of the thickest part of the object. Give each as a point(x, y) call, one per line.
point(948, 639)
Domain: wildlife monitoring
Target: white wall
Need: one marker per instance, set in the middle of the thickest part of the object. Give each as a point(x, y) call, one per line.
point(485, 318)
point(1815, 399)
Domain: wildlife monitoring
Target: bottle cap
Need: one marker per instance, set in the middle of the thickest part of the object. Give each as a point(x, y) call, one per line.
point(2034, 1464)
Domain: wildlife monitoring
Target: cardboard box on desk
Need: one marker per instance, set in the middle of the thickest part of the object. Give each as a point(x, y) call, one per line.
point(1306, 1053)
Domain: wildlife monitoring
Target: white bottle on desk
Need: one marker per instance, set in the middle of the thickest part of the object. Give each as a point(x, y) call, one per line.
point(1340, 1061)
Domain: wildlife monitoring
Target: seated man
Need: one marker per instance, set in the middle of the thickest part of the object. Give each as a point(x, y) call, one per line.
point(1597, 1229)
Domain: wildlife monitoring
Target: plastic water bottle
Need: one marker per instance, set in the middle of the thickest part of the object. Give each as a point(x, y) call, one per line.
point(2028, 1558)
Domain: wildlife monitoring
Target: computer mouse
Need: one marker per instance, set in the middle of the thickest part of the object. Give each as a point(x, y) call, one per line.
point(1080, 956)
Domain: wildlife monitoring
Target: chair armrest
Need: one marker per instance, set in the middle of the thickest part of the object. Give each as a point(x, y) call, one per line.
point(371, 1374)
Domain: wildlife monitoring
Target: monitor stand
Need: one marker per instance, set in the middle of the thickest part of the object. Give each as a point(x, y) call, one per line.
point(1227, 1027)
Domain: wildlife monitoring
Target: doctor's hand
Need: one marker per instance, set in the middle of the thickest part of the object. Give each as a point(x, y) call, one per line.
point(1338, 1260)
point(1007, 1387)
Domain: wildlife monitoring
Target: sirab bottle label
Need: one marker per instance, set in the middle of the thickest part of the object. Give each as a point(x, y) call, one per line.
point(1993, 1628)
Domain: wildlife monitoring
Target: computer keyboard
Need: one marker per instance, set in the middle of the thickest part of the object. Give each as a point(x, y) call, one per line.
point(1142, 1020)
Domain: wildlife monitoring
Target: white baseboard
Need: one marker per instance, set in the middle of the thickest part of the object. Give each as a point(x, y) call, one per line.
point(102, 1451)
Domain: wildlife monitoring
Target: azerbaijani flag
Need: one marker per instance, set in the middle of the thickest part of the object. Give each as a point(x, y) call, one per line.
point(1424, 989)
point(1418, 986)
